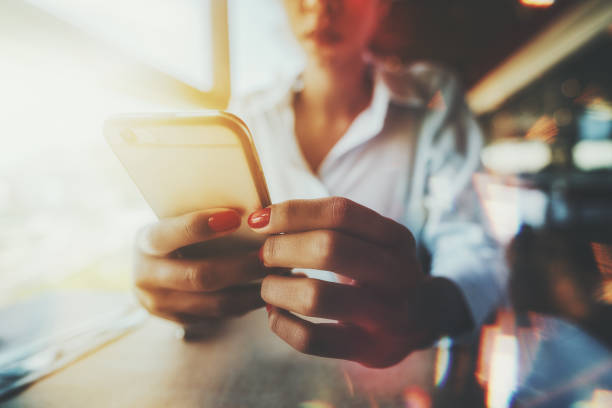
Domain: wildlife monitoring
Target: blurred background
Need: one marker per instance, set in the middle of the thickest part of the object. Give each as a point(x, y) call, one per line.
point(536, 73)
point(67, 210)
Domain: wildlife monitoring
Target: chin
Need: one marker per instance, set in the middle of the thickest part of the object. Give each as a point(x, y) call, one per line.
point(327, 51)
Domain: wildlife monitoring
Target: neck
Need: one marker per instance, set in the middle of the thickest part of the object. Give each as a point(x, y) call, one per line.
point(336, 86)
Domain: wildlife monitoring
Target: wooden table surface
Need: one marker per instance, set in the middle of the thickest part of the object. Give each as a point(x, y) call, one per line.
point(244, 365)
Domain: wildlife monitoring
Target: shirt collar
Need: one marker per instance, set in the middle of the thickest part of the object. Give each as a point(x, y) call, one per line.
point(370, 122)
point(367, 125)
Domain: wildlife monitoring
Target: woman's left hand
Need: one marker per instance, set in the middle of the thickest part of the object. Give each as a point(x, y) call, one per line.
point(390, 307)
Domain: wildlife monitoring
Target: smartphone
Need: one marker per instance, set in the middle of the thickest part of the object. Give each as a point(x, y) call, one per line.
point(185, 162)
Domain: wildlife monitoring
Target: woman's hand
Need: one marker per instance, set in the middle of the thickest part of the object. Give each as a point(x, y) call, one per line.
point(177, 278)
point(390, 308)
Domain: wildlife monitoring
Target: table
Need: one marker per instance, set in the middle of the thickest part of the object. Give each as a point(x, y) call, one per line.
point(244, 365)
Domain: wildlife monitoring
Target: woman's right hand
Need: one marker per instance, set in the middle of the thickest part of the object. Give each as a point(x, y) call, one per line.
point(176, 279)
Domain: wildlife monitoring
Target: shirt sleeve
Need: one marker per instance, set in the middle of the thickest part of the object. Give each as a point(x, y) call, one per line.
point(462, 251)
point(443, 199)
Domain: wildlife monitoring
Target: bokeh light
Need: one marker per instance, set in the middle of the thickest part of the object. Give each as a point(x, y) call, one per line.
point(537, 3)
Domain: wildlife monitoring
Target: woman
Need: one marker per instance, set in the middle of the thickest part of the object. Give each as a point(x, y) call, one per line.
point(335, 138)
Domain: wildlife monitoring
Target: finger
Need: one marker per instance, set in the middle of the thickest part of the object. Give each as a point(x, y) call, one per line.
point(316, 298)
point(343, 254)
point(323, 339)
point(169, 234)
point(335, 340)
point(185, 319)
point(334, 213)
point(197, 275)
point(230, 302)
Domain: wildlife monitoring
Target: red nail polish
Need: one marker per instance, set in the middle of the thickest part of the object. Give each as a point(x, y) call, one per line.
point(268, 308)
point(224, 221)
point(260, 218)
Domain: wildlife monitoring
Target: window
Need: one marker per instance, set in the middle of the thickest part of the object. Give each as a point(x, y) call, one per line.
point(68, 211)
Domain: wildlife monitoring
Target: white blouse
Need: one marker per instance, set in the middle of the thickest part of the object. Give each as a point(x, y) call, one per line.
point(409, 157)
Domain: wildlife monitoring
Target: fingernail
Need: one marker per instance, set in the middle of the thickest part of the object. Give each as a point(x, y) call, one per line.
point(224, 221)
point(268, 308)
point(260, 218)
point(260, 255)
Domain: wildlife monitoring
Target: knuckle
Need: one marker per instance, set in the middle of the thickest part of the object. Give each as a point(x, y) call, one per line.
point(340, 208)
point(194, 225)
point(289, 210)
point(182, 319)
point(325, 246)
point(304, 340)
point(151, 303)
point(139, 271)
point(300, 337)
point(270, 250)
point(215, 308)
point(146, 241)
point(192, 277)
point(145, 270)
point(401, 237)
point(139, 281)
point(140, 296)
point(407, 238)
point(274, 323)
point(310, 298)
point(266, 288)
point(155, 307)
point(219, 307)
point(201, 278)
